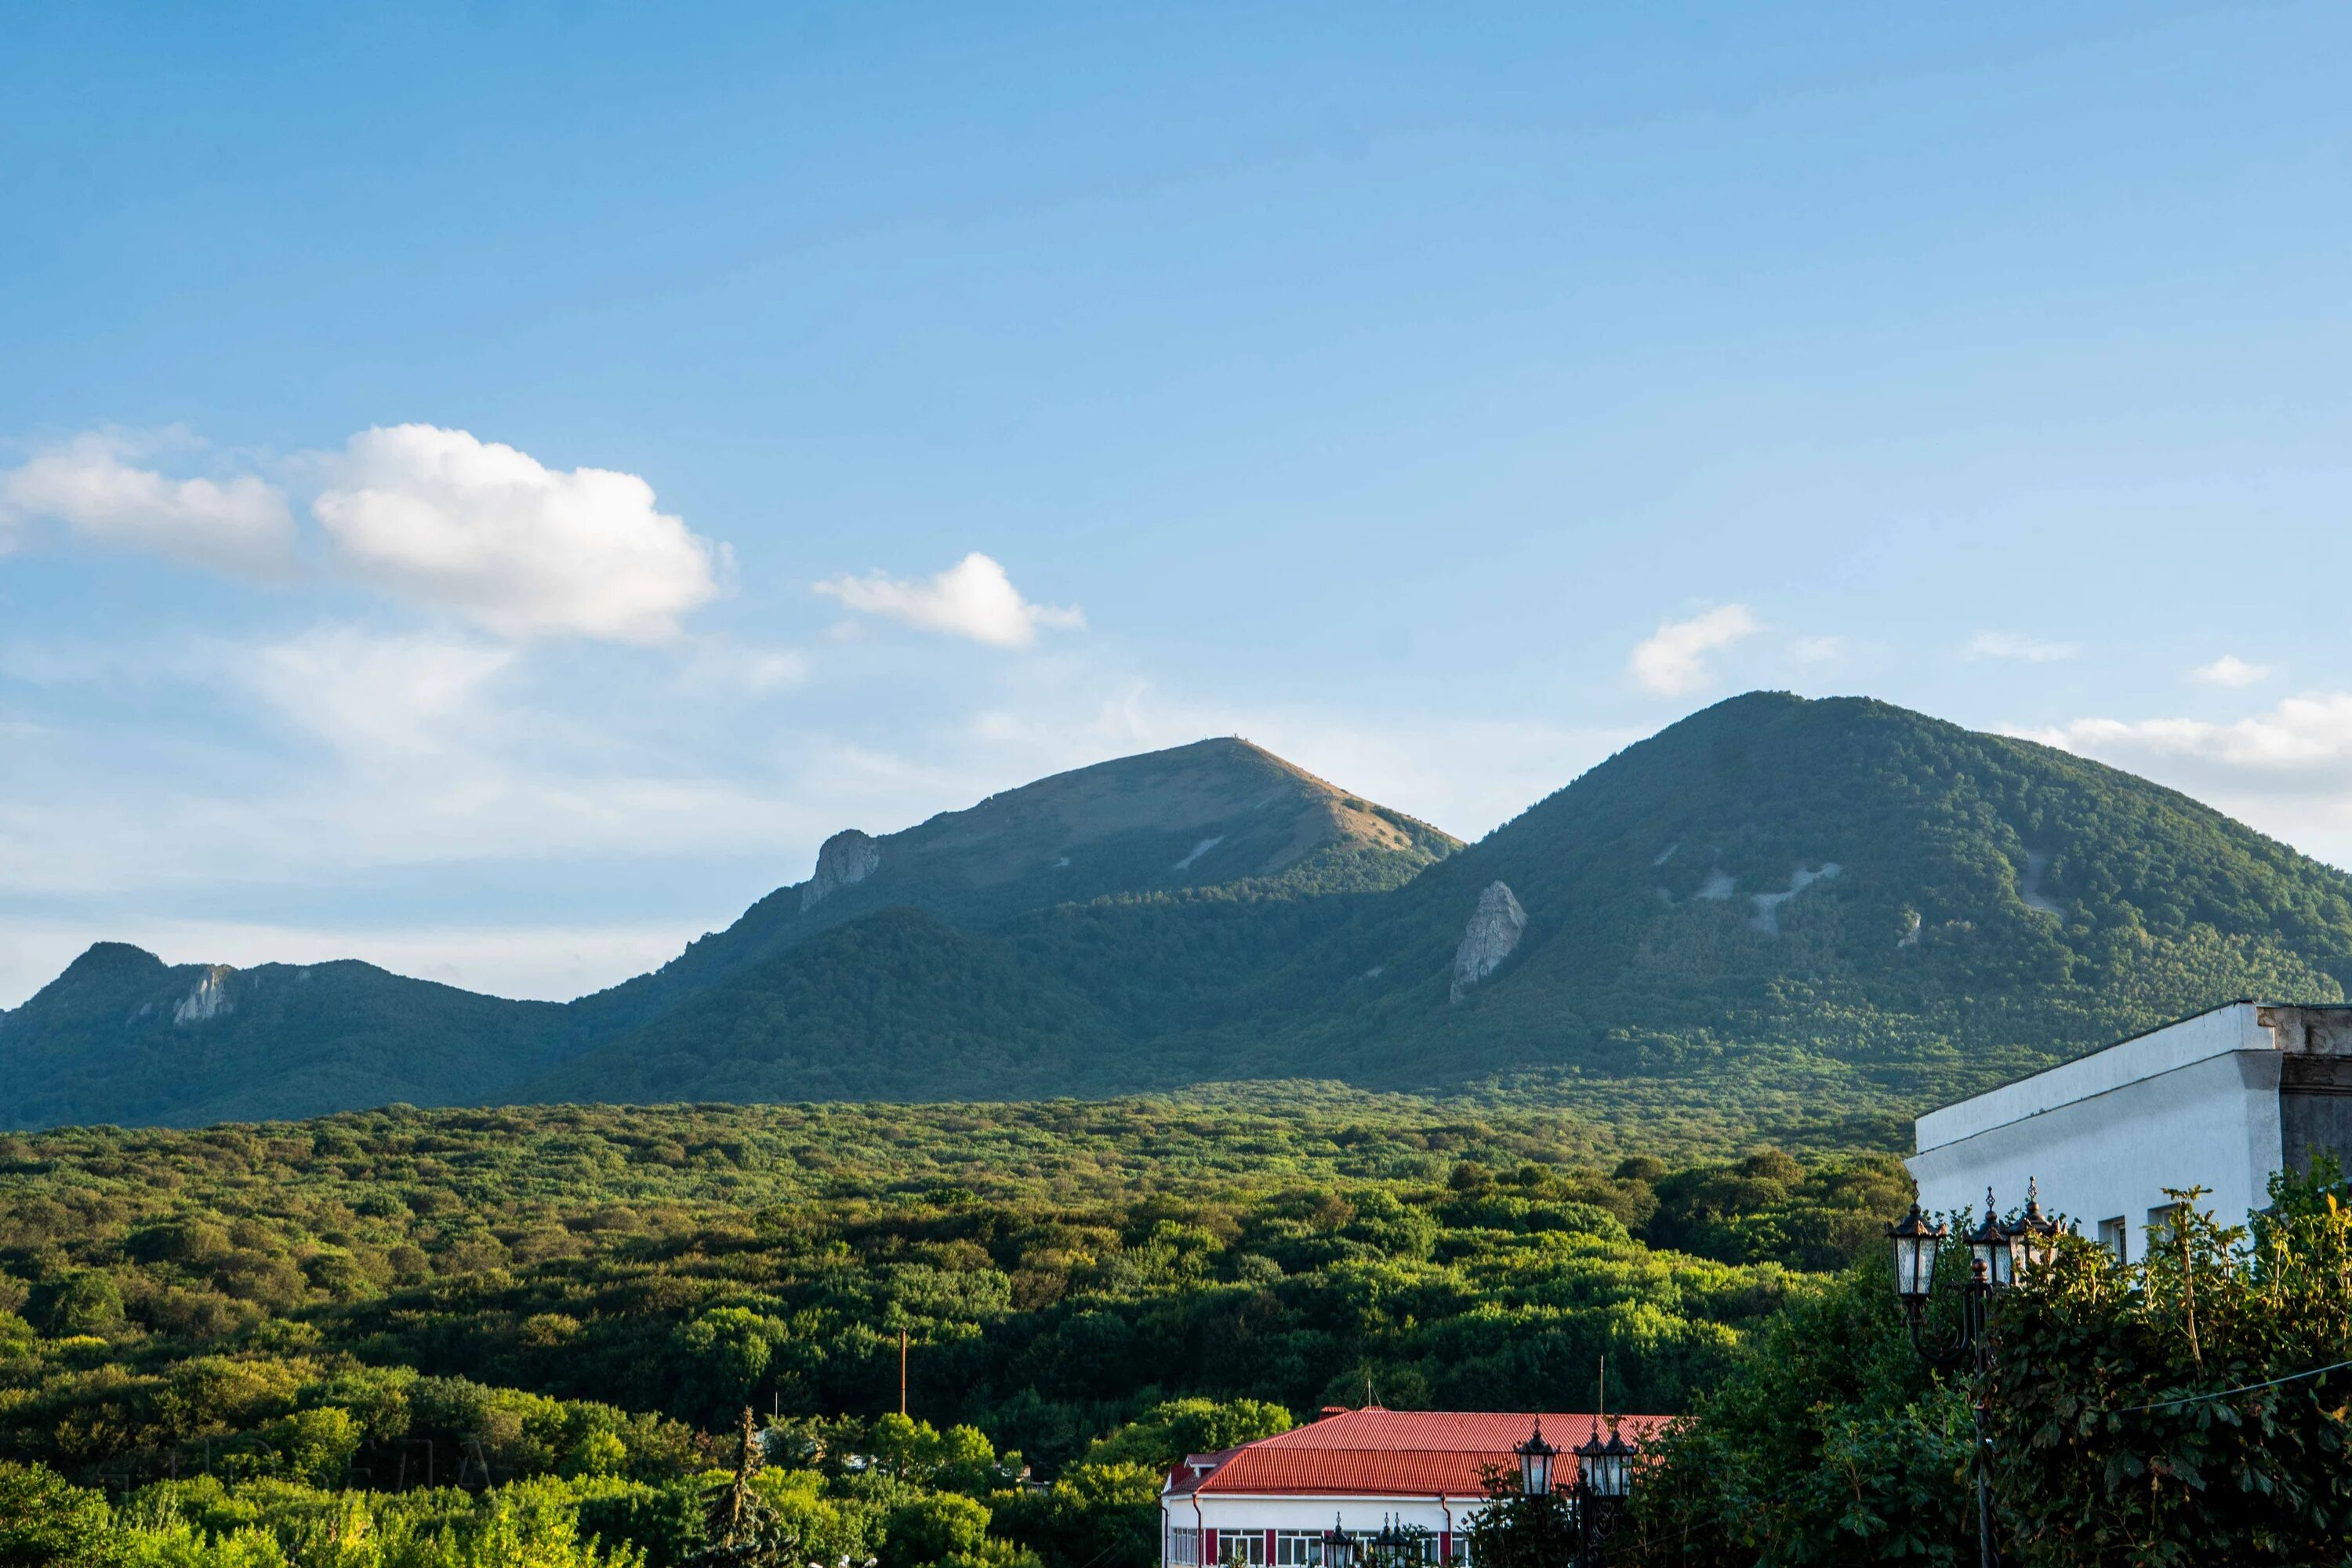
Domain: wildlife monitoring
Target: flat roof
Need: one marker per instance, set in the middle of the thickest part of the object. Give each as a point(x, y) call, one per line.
point(2218, 1031)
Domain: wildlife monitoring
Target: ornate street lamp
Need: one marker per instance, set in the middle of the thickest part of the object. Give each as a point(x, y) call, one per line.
point(1916, 1240)
point(1605, 1470)
point(1534, 1463)
point(1999, 1255)
point(2037, 1235)
point(1339, 1548)
point(1993, 1247)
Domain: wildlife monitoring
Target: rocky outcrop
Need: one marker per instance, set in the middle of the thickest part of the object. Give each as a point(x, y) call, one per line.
point(1491, 936)
point(846, 858)
point(208, 1000)
point(1767, 918)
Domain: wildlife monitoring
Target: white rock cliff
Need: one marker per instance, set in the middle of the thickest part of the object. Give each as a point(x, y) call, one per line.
point(846, 858)
point(1492, 935)
point(208, 1000)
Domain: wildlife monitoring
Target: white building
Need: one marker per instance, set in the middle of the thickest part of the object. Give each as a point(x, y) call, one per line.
point(2221, 1100)
point(1267, 1504)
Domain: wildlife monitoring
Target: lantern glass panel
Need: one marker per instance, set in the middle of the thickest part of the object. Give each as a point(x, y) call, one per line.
point(1915, 1266)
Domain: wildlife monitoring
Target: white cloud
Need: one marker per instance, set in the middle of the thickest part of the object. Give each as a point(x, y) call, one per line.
point(1816, 650)
point(974, 598)
point(2301, 746)
point(2230, 670)
point(2288, 771)
point(241, 524)
point(754, 671)
point(1674, 660)
point(524, 549)
point(2019, 647)
point(372, 696)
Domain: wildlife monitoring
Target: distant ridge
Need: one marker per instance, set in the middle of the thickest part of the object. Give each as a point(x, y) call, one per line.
point(109, 1039)
point(1833, 906)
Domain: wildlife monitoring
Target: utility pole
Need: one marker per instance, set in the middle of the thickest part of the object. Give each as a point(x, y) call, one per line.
point(902, 1371)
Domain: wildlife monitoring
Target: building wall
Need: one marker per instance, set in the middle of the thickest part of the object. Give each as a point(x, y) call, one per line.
point(2202, 1117)
point(1246, 1515)
point(2316, 1110)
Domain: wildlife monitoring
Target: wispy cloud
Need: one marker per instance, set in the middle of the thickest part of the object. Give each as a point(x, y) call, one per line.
point(2230, 671)
point(2286, 771)
point(1816, 649)
point(437, 517)
point(2017, 646)
point(2302, 745)
point(94, 486)
point(974, 598)
point(1674, 660)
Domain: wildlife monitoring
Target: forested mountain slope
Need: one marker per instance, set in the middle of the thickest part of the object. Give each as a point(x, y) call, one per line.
point(1218, 813)
point(121, 1036)
point(1839, 896)
point(1775, 910)
point(1776, 903)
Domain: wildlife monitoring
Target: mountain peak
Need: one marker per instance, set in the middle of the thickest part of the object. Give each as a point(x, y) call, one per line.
point(114, 960)
point(1250, 814)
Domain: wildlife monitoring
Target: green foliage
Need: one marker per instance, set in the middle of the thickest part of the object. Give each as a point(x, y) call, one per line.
point(1175, 1428)
point(579, 1300)
point(47, 1523)
point(932, 1529)
point(2154, 1415)
point(2118, 1434)
point(1515, 1531)
point(1830, 1443)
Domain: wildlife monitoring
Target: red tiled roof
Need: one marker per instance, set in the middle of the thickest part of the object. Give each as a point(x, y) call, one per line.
point(1389, 1452)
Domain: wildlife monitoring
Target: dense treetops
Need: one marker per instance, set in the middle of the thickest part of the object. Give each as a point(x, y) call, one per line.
point(592, 1297)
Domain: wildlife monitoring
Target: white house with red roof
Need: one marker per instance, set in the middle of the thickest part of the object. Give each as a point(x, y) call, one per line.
point(1267, 1504)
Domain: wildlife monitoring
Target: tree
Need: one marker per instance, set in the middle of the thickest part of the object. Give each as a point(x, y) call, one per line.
point(1515, 1531)
point(741, 1525)
point(47, 1523)
point(2171, 1412)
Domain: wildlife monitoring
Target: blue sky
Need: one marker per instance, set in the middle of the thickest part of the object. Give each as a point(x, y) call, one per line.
point(488, 489)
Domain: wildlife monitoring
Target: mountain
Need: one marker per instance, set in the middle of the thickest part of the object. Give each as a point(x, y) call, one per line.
point(121, 1036)
point(1834, 898)
point(1775, 911)
point(1218, 813)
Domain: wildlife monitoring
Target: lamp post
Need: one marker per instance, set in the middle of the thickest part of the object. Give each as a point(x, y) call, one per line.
point(1338, 1546)
point(1392, 1547)
point(1602, 1479)
point(1534, 1463)
point(1999, 1256)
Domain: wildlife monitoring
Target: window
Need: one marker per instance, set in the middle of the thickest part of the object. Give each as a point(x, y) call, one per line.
point(2115, 1235)
point(1183, 1546)
point(2160, 1224)
point(1298, 1548)
point(1241, 1548)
